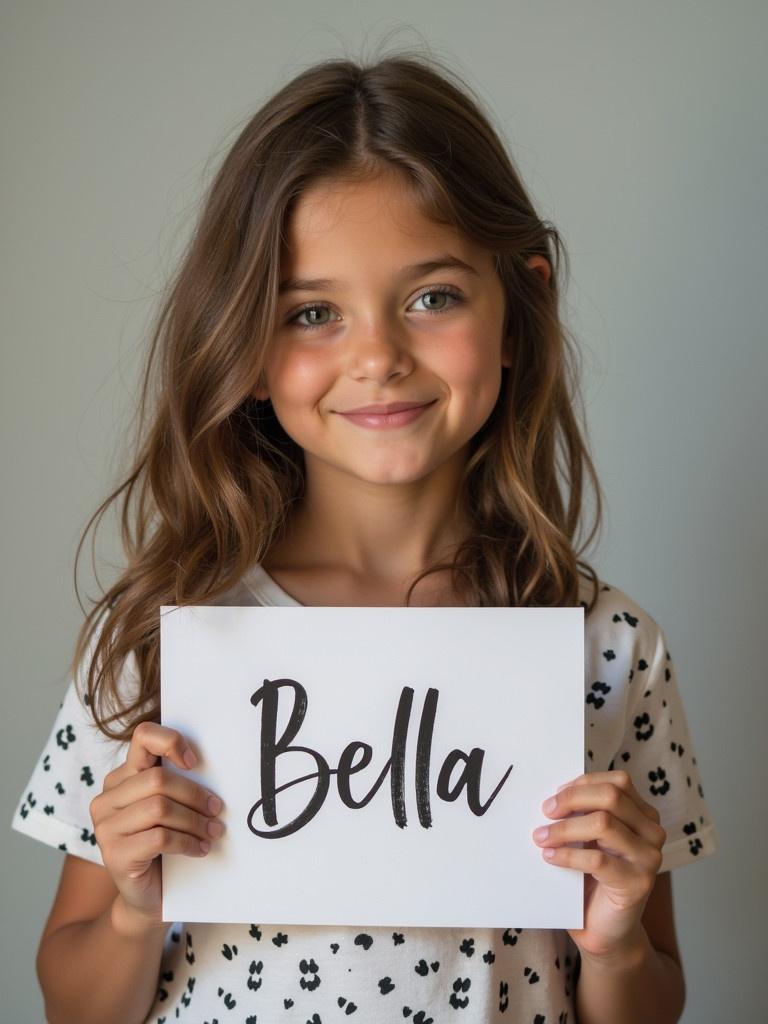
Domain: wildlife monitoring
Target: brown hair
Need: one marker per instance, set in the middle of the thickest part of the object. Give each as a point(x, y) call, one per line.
point(214, 474)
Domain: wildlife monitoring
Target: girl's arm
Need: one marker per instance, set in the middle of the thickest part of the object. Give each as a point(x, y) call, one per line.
point(645, 985)
point(630, 964)
point(96, 962)
point(650, 988)
point(99, 957)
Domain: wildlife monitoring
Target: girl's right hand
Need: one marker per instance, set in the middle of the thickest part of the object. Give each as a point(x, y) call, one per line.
point(145, 810)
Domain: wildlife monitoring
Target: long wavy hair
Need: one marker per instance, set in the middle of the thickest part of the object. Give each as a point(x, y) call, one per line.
point(214, 475)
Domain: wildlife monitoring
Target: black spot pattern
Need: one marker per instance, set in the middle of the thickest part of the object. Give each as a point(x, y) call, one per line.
point(257, 973)
point(456, 999)
point(594, 696)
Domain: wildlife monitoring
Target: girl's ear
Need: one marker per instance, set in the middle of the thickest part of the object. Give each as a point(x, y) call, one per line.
point(541, 265)
point(506, 359)
point(261, 391)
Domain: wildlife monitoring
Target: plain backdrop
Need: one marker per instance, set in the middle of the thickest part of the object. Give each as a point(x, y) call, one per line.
point(640, 131)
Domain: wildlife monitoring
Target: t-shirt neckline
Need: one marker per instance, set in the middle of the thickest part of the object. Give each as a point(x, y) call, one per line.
point(266, 589)
point(269, 592)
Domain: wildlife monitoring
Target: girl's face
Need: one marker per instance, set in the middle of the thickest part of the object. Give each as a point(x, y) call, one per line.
point(378, 330)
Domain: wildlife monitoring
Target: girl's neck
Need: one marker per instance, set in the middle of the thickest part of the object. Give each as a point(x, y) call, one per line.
point(374, 536)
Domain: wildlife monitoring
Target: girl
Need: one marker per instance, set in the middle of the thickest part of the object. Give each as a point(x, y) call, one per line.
point(365, 397)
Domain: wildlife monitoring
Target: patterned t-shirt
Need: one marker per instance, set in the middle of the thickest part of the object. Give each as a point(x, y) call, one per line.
point(260, 974)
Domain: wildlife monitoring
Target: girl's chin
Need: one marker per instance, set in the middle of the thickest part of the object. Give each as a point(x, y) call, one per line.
point(369, 469)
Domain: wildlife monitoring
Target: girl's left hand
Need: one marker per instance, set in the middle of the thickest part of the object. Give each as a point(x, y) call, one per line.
point(621, 857)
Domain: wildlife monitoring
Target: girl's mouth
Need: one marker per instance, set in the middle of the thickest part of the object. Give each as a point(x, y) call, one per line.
point(383, 421)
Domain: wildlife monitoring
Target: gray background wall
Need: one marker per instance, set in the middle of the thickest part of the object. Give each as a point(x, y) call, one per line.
point(640, 131)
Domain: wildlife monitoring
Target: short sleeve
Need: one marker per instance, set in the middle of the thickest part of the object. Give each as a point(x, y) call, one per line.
point(54, 806)
point(658, 753)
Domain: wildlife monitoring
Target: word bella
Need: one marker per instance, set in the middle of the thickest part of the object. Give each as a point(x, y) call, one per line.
point(272, 747)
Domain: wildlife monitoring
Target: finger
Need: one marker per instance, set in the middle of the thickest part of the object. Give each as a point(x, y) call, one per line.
point(608, 832)
point(581, 800)
point(160, 780)
point(160, 810)
point(623, 780)
point(610, 871)
point(593, 796)
point(137, 852)
point(149, 742)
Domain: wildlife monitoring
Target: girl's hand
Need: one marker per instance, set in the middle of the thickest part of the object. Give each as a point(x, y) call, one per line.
point(145, 810)
point(621, 857)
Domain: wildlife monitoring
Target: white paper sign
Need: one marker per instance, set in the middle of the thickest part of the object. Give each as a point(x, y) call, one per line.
point(378, 766)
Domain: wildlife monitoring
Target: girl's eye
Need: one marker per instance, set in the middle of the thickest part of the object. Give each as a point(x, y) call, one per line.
point(314, 307)
point(450, 293)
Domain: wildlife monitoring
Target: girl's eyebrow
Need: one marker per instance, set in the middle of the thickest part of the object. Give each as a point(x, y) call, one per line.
point(447, 261)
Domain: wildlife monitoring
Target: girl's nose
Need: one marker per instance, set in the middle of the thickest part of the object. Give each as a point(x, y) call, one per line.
point(378, 350)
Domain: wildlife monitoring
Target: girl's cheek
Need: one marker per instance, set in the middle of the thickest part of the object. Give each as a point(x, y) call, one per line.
point(479, 379)
point(309, 377)
point(301, 380)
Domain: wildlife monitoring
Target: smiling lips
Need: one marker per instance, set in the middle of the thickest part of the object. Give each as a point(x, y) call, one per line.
point(394, 414)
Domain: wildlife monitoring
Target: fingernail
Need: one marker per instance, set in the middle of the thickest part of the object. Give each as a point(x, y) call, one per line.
point(540, 834)
point(189, 757)
point(214, 804)
point(549, 805)
point(215, 828)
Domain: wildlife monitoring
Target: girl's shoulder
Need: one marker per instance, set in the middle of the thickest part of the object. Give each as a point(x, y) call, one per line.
point(635, 720)
point(620, 632)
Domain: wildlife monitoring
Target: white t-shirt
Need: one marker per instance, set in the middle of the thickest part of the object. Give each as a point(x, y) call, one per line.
point(252, 973)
